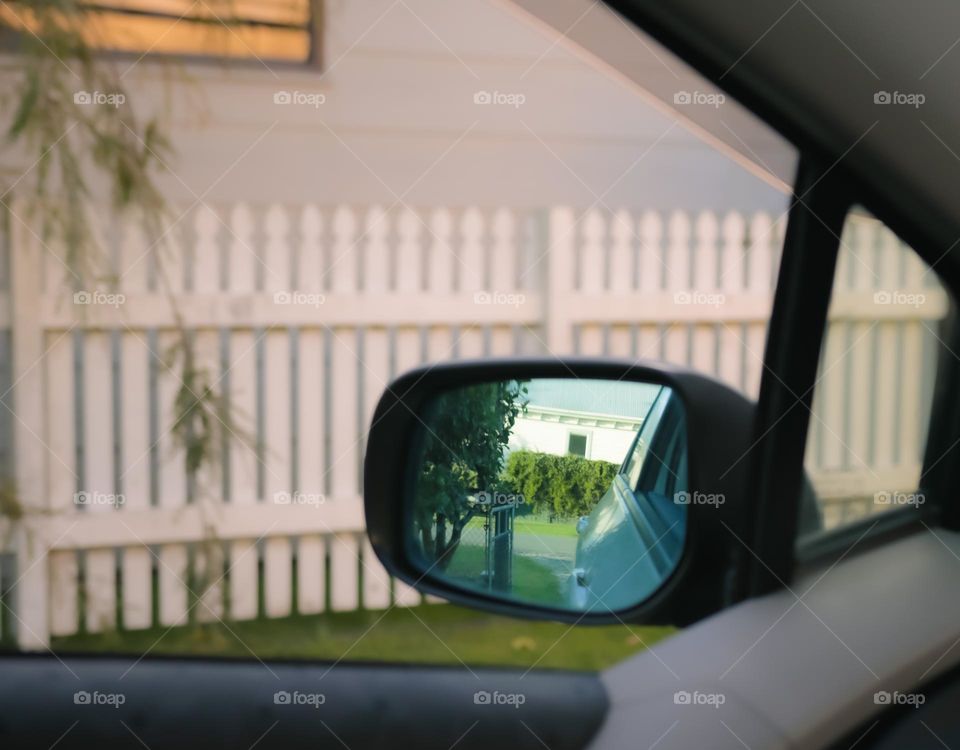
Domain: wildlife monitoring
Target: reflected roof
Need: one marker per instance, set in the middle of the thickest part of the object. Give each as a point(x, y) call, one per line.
point(616, 398)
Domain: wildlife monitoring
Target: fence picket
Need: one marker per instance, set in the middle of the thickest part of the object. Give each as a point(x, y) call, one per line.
point(678, 274)
point(137, 588)
point(311, 574)
point(471, 255)
point(172, 575)
point(240, 383)
point(208, 584)
point(470, 342)
point(134, 469)
point(675, 344)
point(100, 590)
point(206, 255)
point(441, 261)
point(277, 576)
point(439, 344)
point(650, 341)
point(97, 439)
point(376, 582)
point(243, 579)
point(133, 271)
point(592, 261)
point(344, 569)
point(501, 341)
point(310, 257)
point(342, 271)
point(859, 401)
point(243, 263)
point(64, 592)
point(706, 265)
point(345, 435)
point(911, 403)
point(209, 484)
point(733, 257)
point(621, 253)
point(61, 467)
point(408, 258)
point(761, 259)
point(375, 370)
point(590, 343)
point(311, 471)
point(276, 410)
point(277, 276)
point(503, 257)
point(731, 354)
point(832, 386)
point(376, 261)
point(651, 252)
point(171, 457)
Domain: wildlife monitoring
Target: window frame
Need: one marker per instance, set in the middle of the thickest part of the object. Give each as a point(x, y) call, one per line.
point(315, 28)
point(823, 201)
point(586, 443)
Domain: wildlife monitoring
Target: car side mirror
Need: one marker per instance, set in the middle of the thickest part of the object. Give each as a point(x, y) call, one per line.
point(575, 490)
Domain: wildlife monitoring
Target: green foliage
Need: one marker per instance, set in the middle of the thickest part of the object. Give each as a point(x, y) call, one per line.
point(11, 507)
point(72, 127)
point(200, 412)
point(564, 486)
point(72, 132)
point(74, 150)
point(466, 435)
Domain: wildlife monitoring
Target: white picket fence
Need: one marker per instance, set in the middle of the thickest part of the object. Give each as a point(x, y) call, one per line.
point(872, 403)
point(303, 314)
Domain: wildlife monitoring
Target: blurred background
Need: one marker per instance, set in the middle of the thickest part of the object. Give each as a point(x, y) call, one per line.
point(228, 225)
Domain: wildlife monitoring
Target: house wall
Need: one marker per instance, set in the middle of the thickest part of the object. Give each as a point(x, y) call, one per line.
point(603, 443)
point(399, 122)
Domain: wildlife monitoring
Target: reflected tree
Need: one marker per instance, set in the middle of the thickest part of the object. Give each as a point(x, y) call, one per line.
point(463, 447)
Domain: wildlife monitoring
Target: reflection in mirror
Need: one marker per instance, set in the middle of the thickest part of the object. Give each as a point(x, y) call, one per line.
point(567, 493)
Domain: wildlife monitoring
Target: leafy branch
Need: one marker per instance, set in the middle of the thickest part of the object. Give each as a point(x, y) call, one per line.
point(73, 139)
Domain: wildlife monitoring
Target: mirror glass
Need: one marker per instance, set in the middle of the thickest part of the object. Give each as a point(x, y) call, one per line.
point(566, 493)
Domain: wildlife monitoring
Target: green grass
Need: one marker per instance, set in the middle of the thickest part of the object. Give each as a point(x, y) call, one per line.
point(531, 525)
point(431, 634)
point(532, 581)
point(544, 528)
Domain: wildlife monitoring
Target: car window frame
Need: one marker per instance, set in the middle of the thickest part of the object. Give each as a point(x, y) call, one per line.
point(824, 198)
point(625, 467)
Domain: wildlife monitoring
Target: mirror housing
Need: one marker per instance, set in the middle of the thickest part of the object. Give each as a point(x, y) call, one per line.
point(712, 570)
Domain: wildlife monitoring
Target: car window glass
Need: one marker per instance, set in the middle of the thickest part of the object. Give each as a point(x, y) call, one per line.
point(187, 405)
point(874, 387)
point(668, 447)
point(641, 445)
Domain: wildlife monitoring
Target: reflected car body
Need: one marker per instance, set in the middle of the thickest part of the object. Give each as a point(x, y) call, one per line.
point(632, 540)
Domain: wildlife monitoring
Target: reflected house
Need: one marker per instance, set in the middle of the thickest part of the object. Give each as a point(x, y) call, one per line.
point(596, 420)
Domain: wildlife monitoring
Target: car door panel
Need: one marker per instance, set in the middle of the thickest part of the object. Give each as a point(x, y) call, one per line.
point(86, 702)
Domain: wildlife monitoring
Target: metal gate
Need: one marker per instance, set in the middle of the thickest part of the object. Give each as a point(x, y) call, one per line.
point(499, 546)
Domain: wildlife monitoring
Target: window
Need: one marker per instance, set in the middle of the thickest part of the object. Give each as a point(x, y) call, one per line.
point(276, 30)
point(638, 453)
point(874, 388)
point(577, 445)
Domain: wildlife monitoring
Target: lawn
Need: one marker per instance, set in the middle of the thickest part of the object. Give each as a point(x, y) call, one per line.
point(431, 633)
point(532, 525)
point(532, 581)
point(544, 528)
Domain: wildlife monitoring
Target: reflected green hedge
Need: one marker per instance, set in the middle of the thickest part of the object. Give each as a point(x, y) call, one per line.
point(563, 486)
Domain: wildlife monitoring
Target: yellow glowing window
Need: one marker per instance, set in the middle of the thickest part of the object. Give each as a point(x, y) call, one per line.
point(284, 30)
